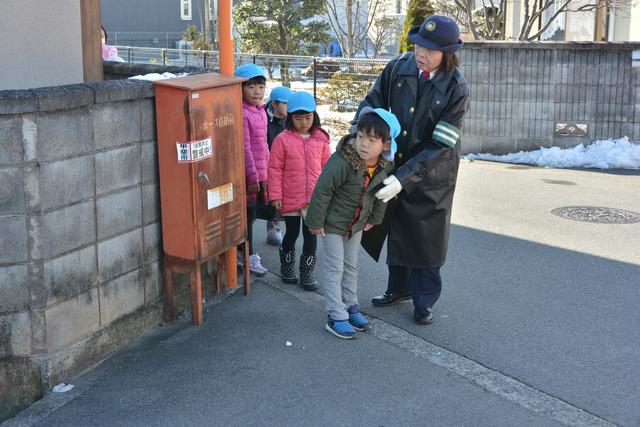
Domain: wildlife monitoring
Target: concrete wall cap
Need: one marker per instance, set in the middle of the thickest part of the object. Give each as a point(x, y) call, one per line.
point(64, 97)
point(17, 102)
point(556, 45)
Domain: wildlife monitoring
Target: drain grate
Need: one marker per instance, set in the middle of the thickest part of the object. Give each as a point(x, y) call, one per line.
point(597, 215)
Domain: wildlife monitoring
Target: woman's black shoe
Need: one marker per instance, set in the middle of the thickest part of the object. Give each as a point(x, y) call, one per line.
point(388, 298)
point(423, 316)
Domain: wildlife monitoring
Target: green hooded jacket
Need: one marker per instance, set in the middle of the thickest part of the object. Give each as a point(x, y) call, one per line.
point(340, 191)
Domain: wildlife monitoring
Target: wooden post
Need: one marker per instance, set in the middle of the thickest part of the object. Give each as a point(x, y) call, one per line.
point(91, 46)
point(601, 22)
point(168, 286)
point(195, 280)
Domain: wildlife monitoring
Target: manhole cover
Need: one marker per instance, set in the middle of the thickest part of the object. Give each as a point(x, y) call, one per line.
point(597, 214)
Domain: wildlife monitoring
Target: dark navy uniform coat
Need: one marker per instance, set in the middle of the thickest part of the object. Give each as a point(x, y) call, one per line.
point(431, 114)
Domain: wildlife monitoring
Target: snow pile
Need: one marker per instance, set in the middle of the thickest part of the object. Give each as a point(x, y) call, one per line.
point(155, 76)
point(603, 154)
point(62, 388)
point(325, 113)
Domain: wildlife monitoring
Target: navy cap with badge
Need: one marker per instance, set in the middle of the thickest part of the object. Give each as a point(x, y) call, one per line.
point(437, 32)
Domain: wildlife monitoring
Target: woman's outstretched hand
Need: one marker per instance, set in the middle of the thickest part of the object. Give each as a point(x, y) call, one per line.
point(391, 187)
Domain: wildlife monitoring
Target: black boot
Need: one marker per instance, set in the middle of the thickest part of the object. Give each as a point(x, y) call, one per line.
point(288, 267)
point(307, 264)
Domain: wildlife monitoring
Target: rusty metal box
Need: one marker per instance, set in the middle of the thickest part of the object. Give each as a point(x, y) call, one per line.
point(202, 182)
point(200, 153)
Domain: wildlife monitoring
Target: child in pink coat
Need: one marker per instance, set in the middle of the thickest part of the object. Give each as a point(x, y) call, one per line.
point(298, 155)
point(256, 150)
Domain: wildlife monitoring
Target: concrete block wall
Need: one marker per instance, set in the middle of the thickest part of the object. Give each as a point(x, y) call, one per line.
point(81, 246)
point(519, 91)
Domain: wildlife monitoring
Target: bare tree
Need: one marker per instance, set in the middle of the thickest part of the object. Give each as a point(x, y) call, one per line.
point(484, 23)
point(382, 30)
point(538, 15)
point(536, 23)
point(351, 21)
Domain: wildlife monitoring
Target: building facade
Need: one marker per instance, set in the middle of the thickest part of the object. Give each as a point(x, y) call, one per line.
point(614, 24)
point(152, 23)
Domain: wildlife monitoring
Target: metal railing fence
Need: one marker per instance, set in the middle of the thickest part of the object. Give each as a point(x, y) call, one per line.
point(284, 68)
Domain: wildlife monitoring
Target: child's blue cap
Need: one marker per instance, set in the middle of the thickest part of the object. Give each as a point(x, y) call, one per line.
point(301, 101)
point(280, 94)
point(394, 127)
point(249, 71)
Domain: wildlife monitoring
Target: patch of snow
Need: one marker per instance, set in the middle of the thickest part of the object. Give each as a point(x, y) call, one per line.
point(325, 112)
point(155, 76)
point(62, 388)
point(602, 154)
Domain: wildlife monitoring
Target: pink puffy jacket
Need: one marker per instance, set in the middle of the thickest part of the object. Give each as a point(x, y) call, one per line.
point(256, 150)
point(294, 167)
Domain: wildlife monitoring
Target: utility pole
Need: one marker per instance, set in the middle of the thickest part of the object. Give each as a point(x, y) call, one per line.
point(224, 37)
point(207, 22)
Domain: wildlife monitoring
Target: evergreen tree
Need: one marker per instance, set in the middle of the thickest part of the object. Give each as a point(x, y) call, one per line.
point(197, 39)
point(286, 27)
point(417, 12)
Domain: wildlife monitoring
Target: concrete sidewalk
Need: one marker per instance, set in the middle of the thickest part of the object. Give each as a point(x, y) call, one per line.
point(238, 370)
point(537, 325)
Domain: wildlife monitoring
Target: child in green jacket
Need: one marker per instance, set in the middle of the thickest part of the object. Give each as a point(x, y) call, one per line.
point(343, 204)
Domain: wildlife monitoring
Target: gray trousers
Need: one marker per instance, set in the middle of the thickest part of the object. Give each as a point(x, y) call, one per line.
point(340, 273)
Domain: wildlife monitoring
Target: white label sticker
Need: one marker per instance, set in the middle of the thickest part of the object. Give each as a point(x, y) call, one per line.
point(220, 195)
point(184, 152)
point(194, 150)
point(195, 95)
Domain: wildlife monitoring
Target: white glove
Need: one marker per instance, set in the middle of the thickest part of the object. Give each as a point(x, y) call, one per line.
point(391, 187)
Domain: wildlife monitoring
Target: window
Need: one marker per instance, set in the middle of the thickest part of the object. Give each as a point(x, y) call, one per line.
point(185, 10)
point(555, 31)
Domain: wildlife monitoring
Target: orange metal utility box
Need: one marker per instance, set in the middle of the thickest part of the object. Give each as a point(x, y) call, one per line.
point(202, 182)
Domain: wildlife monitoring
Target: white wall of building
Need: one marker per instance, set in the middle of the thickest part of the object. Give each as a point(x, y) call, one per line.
point(513, 20)
point(41, 43)
point(581, 26)
point(634, 30)
point(620, 20)
point(624, 23)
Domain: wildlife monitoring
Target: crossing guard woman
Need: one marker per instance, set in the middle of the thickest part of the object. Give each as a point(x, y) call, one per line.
point(426, 90)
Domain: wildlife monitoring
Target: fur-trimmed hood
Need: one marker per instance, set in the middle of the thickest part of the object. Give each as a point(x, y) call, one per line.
point(347, 148)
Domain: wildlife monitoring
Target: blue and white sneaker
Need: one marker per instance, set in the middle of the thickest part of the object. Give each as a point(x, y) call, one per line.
point(340, 328)
point(357, 320)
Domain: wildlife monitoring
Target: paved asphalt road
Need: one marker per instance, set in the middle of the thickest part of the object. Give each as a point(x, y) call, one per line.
point(538, 324)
